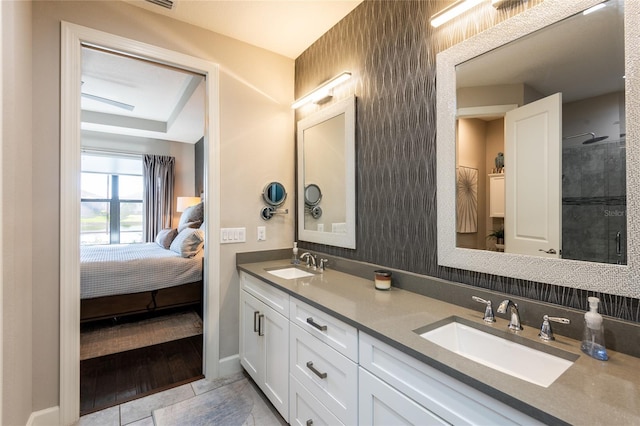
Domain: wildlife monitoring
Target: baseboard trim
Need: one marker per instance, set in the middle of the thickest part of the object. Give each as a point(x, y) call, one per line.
point(229, 365)
point(47, 417)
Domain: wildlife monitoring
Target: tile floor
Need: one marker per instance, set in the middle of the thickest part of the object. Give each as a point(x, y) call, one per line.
point(232, 400)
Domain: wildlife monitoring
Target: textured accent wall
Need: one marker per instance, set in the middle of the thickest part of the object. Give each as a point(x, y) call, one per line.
point(391, 50)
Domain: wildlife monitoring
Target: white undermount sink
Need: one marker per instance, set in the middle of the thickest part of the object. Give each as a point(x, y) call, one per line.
point(515, 359)
point(290, 273)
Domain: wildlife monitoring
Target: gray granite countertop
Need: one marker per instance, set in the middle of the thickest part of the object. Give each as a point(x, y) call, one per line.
point(590, 392)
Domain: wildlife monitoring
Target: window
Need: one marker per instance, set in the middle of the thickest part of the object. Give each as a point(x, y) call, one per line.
point(111, 200)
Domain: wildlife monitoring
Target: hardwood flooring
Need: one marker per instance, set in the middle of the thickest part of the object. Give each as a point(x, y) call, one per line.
point(113, 379)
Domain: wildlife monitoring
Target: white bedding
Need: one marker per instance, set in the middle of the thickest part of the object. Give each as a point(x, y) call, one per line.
point(107, 270)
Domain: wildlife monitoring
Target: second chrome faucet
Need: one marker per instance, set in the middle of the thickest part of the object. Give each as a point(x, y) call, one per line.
point(514, 321)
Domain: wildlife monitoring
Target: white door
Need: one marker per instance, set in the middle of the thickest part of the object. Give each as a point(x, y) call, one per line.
point(533, 163)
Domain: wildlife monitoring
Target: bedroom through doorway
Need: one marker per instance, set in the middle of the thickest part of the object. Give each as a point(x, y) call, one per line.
point(142, 227)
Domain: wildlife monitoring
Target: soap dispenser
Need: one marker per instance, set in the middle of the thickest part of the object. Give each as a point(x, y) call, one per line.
point(593, 340)
point(294, 255)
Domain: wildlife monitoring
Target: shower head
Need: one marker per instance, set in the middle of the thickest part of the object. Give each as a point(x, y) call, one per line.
point(593, 139)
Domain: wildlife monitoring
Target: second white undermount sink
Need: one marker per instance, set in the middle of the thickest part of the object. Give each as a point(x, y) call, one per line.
point(290, 273)
point(501, 354)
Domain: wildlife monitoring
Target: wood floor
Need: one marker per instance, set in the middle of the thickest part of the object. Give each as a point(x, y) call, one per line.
point(113, 379)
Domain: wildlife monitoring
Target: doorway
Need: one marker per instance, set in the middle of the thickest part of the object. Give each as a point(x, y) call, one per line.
point(74, 37)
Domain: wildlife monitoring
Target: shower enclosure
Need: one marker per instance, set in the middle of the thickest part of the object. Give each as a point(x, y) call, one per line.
point(594, 202)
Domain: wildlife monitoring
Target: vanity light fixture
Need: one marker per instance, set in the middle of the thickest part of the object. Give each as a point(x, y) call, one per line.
point(322, 91)
point(450, 12)
point(594, 8)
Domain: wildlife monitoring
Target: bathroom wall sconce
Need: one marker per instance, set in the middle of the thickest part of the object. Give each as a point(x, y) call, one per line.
point(450, 12)
point(323, 91)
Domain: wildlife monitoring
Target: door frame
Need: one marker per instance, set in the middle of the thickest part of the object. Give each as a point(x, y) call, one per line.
point(73, 37)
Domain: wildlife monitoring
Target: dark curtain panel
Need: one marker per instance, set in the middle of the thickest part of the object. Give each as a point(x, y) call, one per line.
point(158, 194)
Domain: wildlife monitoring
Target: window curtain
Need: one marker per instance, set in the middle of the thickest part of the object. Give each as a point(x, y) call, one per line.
point(158, 194)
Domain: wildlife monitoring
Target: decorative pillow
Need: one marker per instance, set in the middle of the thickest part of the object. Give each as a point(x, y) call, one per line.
point(165, 237)
point(192, 217)
point(188, 242)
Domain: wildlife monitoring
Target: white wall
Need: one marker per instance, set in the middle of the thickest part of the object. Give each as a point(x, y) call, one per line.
point(257, 134)
point(17, 247)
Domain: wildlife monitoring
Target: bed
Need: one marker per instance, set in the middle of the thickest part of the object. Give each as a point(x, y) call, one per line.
point(125, 279)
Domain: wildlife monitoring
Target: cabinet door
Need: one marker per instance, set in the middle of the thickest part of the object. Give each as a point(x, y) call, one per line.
point(251, 344)
point(275, 333)
point(380, 404)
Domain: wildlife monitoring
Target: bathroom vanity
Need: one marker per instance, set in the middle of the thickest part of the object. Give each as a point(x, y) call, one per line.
point(355, 356)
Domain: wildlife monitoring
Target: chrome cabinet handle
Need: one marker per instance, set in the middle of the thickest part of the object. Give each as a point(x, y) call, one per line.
point(550, 251)
point(310, 422)
point(255, 321)
point(316, 372)
point(316, 325)
point(261, 325)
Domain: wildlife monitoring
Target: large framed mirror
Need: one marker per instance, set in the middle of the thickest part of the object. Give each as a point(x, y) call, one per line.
point(475, 86)
point(326, 176)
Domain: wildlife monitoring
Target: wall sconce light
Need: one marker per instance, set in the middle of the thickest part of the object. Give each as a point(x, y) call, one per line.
point(186, 202)
point(450, 12)
point(323, 91)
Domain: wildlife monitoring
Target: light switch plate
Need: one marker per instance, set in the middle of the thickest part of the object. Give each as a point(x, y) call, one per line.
point(233, 235)
point(262, 233)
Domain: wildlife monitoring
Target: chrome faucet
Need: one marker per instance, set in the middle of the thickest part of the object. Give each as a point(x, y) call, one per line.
point(310, 258)
point(514, 322)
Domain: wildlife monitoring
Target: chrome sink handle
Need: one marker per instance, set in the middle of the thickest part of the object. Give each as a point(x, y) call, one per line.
point(545, 331)
point(488, 312)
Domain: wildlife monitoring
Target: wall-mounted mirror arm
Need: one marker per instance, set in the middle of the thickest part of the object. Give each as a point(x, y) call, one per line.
point(268, 212)
point(274, 195)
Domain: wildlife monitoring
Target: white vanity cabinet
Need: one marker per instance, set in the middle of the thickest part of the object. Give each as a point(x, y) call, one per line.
point(323, 367)
point(264, 339)
point(401, 387)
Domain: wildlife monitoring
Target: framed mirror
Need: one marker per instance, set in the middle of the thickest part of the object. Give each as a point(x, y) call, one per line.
point(471, 70)
point(326, 176)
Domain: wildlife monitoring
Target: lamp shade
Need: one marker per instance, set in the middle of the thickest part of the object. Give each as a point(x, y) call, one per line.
point(184, 202)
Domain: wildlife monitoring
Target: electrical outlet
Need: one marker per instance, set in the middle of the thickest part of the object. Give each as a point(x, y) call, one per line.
point(262, 233)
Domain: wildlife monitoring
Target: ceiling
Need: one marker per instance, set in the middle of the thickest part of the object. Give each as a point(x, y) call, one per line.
point(581, 56)
point(286, 27)
point(128, 96)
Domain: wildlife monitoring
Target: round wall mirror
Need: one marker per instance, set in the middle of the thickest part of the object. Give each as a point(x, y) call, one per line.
point(274, 194)
point(312, 195)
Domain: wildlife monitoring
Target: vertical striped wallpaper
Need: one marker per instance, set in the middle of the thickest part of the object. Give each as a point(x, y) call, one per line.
point(391, 49)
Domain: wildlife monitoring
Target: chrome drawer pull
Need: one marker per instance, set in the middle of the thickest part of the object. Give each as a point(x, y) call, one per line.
point(316, 325)
point(310, 422)
point(260, 325)
point(255, 321)
point(316, 372)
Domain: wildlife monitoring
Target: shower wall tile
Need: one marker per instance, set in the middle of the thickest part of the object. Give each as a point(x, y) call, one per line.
point(390, 48)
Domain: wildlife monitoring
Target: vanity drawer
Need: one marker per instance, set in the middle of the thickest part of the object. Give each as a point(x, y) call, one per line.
point(330, 376)
point(446, 397)
point(306, 410)
point(274, 298)
point(340, 336)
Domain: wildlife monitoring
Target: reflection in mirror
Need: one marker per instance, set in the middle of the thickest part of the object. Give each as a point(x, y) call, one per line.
point(561, 194)
point(326, 159)
point(274, 195)
point(461, 68)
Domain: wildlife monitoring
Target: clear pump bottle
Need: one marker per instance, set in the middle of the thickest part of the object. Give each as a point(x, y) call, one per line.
point(593, 340)
point(294, 255)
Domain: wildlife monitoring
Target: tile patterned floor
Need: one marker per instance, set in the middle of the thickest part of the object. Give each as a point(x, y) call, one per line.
point(228, 401)
point(127, 336)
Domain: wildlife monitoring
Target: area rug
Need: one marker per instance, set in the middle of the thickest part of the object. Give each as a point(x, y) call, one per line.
point(134, 335)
